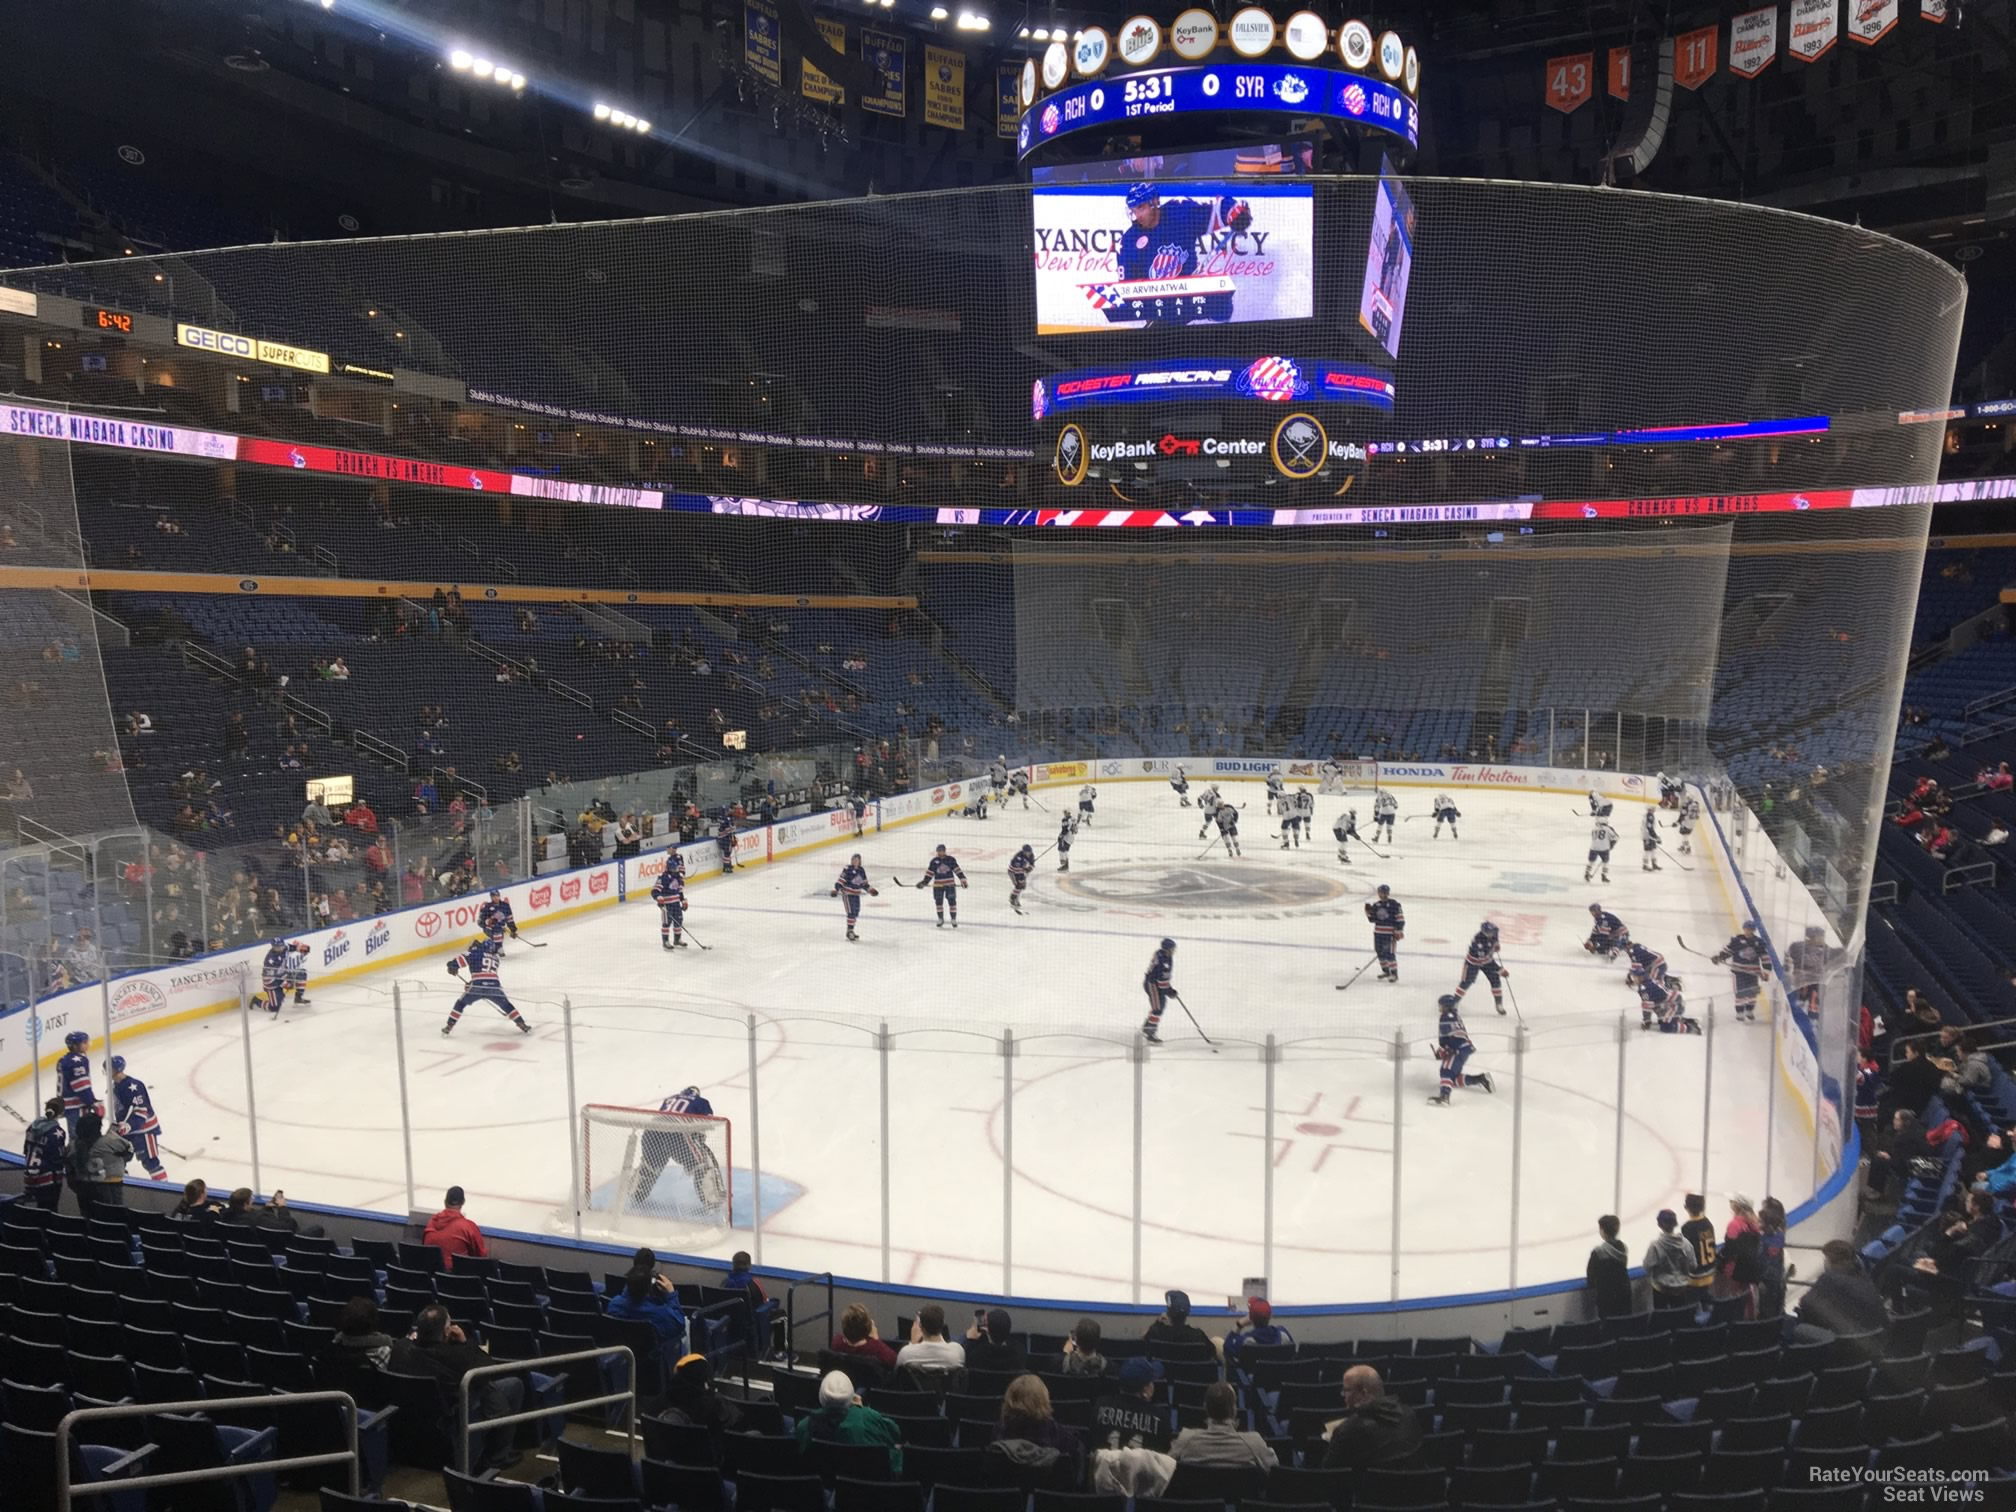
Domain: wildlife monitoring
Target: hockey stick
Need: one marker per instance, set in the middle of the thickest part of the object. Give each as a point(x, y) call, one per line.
point(695, 939)
point(1692, 951)
point(1507, 978)
point(1346, 986)
point(1674, 859)
point(1209, 848)
point(8, 1109)
point(1193, 1022)
point(1369, 846)
point(1037, 801)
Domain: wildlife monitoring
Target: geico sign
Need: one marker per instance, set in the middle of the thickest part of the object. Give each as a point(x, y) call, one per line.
point(203, 339)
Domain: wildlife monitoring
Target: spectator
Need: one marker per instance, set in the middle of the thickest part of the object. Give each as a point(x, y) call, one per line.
point(647, 1297)
point(1924, 1016)
point(338, 670)
point(1962, 1236)
point(1973, 1069)
point(2001, 780)
point(138, 723)
point(1174, 1326)
point(1771, 1257)
point(1998, 833)
point(859, 1336)
point(1127, 1416)
point(452, 1234)
point(1842, 1301)
point(1375, 1430)
point(692, 1401)
point(1055, 1456)
point(1739, 1264)
point(762, 1309)
point(97, 1164)
point(1698, 1234)
point(237, 739)
point(439, 1341)
point(1669, 1265)
point(929, 1349)
point(360, 816)
point(315, 811)
point(991, 1346)
point(1913, 1082)
point(19, 789)
point(43, 1149)
point(1609, 1270)
point(361, 1348)
point(1258, 1327)
point(83, 959)
point(1081, 1349)
point(841, 1419)
point(629, 838)
point(1219, 1444)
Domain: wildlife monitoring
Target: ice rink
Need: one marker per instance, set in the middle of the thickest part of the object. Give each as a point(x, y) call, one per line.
point(1263, 943)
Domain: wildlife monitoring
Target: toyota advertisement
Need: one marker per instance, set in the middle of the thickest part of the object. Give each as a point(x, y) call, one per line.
point(1130, 256)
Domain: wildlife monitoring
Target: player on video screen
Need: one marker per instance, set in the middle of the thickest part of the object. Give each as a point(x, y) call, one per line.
point(1169, 239)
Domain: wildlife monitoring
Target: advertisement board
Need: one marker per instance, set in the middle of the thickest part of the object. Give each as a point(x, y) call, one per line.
point(1389, 261)
point(1112, 256)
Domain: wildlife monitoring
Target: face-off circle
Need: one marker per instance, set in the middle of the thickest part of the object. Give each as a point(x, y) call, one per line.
point(1201, 887)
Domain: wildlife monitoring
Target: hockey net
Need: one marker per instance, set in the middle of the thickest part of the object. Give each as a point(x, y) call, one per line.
point(1339, 777)
point(644, 1171)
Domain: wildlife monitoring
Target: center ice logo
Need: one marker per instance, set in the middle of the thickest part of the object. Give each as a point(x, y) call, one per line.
point(1201, 887)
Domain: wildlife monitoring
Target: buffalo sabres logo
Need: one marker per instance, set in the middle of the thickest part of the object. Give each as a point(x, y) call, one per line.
point(1201, 887)
point(1300, 447)
point(1072, 457)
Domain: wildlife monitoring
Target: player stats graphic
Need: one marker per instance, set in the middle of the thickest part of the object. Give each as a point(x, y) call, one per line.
point(1129, 256)
point(1389, 260)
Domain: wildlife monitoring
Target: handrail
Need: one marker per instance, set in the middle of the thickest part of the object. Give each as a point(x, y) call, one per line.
point(468, 782)
point(1883, 892)
point(569, 692)
point(294, 704)
point(1988, 701)
point(630, 721)
point(209, 660)
point(1972, 1031)
point(384, 750)
point(465, 1429)
point(1978, 874)
point(65, 1491)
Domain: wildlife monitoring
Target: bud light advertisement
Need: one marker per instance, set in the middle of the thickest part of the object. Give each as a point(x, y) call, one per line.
point(1149, 253)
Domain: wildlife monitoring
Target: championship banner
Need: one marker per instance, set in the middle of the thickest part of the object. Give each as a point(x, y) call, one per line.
point(944, 87)
point(883, 53)
point(1694, 57)
point(1571, 81)
point(759, 40)
point(813, 84)
point(1007, 100)
point(1933, 11)
point(1869, 20)
point(1815, 27)
point(1753, 42)
point(1618, 83)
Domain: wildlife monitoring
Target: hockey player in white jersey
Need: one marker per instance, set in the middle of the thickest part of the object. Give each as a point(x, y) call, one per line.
point(1601, 838)
point(1207, 804)
point(1346, 830)
point(1085, 796)
point(1690, 815)
point(1669, 791)
point(1277, 791)
point(998, 774)
point(1385, 809)
point(1180, 781)
point(1445, 812)
point(1599, 806)
point(1649, 838)
point(1018, 785)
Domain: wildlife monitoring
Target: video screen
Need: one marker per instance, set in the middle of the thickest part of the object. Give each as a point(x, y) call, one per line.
point(1152, 253)
point(1388, 261)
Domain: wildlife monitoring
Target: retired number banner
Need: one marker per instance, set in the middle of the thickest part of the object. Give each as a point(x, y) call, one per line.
point(1753, 42)
point(1694, 57)
point(1816, 26)
point(1570, 81)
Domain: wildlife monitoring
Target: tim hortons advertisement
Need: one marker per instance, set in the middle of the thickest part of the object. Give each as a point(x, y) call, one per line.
point(1127, 256)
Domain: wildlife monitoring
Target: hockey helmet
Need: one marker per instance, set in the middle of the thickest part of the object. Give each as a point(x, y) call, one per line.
point(941, 850)
point(689, 1092)
point(1815, 932)
point(496, 892)
point(1673, 983)
point(1384, 891)
point(76, 1039)
point(279, 942)
point(1143, 194)
point(855, 859)
point(1595, 908)
point(1749, 926)
point(1488, 928)
point(1447, 1000)
point(116, 1065)
point(1167, 943)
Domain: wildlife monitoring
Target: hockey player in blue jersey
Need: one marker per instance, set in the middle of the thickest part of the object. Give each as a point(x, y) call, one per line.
point(1020, 865)
point(1648, 969)
point(284, 968)
point(669, 893)
point(1607, 934)
point(1649, 836)
point(1180, 781)
point(943, 877)
point(691, 1152)
point(481, 960)
point(1157, 984)
point(724, 841)
point(1444, 809)
point(73, 1079)
point(1744, 956)
point(133, 1115)
point(1226, 817)
point(1165, 240)
point(1661, 1006)
point(42, 1156)
point(1389, 928)
point(495, 918)
point(1453, 1048)
point(1483, 961)
point(853, 882)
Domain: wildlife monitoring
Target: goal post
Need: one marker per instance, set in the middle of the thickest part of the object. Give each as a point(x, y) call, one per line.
point(1341, 777)
point(647, 1171)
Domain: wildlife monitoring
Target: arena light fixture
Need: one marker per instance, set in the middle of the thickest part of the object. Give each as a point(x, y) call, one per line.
point(601, 111)
point(939, 13)
point(482, 68)
point(460, 60)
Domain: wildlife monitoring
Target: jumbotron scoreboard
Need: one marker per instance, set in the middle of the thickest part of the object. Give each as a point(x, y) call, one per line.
point(1185, 256)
